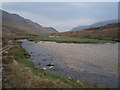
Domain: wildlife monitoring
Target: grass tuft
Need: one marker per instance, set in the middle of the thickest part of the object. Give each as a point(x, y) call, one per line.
point(71, 40)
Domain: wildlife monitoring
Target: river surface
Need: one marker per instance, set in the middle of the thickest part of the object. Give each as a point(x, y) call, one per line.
point(51, 63)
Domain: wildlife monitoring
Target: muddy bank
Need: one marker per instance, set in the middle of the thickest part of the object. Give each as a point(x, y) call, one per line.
point(79, 61)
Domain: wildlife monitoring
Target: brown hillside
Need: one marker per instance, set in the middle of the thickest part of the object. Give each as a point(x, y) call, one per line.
point(13, 24)
point(107, 32)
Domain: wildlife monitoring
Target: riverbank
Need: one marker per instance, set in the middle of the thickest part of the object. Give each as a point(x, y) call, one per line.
point(19, 72)
point(96, 63)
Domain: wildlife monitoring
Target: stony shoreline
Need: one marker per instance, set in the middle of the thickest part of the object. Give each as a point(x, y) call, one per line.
point(70, 62)
point(103, 56)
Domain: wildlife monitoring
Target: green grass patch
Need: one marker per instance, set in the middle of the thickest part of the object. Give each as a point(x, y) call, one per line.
point(71, 40)
point(16, 42)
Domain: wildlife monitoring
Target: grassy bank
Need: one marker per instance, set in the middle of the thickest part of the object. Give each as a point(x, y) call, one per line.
point(71, 40)
point(24, 74)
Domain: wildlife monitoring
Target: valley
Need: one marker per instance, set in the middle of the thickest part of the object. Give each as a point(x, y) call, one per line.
point(35, 56)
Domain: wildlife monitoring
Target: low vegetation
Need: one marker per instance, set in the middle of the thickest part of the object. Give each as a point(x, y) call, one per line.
point(21, 73)
point(71, 40)
point(107, 32)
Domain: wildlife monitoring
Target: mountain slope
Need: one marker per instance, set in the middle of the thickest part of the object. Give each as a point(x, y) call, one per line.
point(13, 24)
point(99, 24)
point(107, 32)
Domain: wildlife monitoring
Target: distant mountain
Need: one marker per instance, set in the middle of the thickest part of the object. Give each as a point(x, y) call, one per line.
point(99, 24)
point(13, 24)
point(107, 32)
point(78, 28)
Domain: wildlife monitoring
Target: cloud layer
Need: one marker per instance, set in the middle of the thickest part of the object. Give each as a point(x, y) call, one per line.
point(64, 16)
point(60, 0)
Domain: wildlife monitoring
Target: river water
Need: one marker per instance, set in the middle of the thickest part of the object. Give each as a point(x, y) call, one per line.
point(53, 64)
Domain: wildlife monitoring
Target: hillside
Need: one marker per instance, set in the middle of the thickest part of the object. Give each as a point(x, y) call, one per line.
point(107, 32)
point(98, 24)
point(13, 24)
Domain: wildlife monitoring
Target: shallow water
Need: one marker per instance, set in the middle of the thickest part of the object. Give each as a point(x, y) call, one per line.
point(93, 69)
point(41, 58)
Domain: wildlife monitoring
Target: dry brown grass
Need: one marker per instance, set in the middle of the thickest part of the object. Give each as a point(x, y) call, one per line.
point(20, 76)
point(108, 32)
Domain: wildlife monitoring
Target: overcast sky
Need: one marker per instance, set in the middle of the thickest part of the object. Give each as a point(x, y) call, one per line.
point(64, 16)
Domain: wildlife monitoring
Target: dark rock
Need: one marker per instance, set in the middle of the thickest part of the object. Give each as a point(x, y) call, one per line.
point(31, 53)
point(54, 69)
point(4, 79)
point(44, 59)
point(51, 64)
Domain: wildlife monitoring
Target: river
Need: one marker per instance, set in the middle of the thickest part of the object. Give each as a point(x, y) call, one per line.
point(52, 63)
